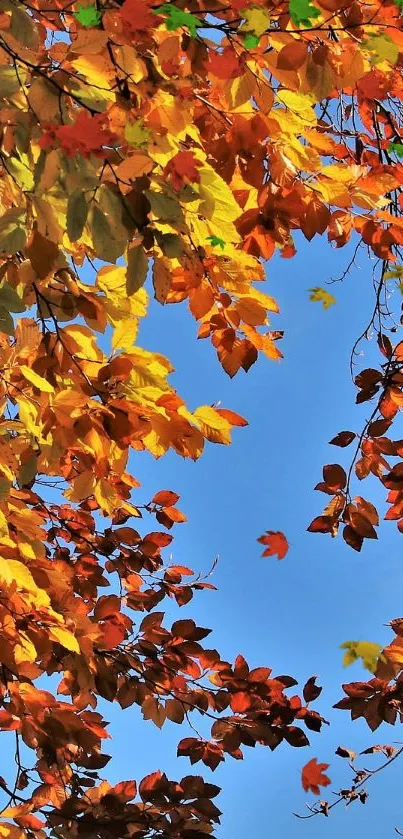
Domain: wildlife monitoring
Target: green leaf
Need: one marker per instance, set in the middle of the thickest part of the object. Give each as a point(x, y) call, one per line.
point(13, 234)
point(175, 18)
point(216, 242)
point(370, 654)
point(302, 12)
point(10, 81)
point(10, 300)
point(164, 207)
point(251, 41)
point(77, 211)
point(170, 244)
point(28, 470)
point(136, 135)
point(6, 322)
point(105, 246)
point(383, 47)
point(88, 15)
point(257, 21)
point(397, 148)
point(21, 173)
point(137, 266)
point(320, 295)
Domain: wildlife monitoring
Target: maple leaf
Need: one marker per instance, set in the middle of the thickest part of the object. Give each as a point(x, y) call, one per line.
point(257, 21)
point(88, 16)
point(276, 543)
point(136, 134)
point(320, 295)
point(313, 777)
point(182, 169)
point(87, 135)
point(175, 18)
point(216, 242)
point(138, 15)
point(369, 653)
point(302, 12)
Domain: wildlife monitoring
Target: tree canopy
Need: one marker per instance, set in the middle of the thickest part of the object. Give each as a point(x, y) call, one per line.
point(172, 149)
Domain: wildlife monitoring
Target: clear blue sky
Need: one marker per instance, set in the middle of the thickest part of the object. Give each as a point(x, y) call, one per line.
point(289, 615)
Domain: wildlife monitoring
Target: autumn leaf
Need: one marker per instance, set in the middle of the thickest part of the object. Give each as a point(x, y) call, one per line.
point(276, 544)
point(320, 295)
point(182, 169)
point(313, 777)
point(369, 653)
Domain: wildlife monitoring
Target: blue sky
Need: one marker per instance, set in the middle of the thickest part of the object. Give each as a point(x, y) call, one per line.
point(291, 615)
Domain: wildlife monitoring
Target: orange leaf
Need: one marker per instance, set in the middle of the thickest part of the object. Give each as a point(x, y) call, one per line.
point(276, 543)
point(312, 776)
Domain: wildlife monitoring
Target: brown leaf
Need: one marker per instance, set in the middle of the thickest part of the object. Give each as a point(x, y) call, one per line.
point(343, 439)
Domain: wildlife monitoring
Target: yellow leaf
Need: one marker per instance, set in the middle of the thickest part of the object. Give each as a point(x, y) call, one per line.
point(218, 206)
point(299, 104)
point(124, 335)
point(28, 414)
point(36, 380)
point(24, 649)
point(3, 525)
point(368, 652)
point(81, 487)
point(14, 572)
point(65, 638)
point(257, 21)
point(11, 831)
point(83, 343)
point(106, 497)
point(212, 425)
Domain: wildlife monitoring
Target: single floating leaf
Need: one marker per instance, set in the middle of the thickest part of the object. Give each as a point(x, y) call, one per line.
point(312, 776)
point(320, 295)
point(276, 543)
point(369, 653)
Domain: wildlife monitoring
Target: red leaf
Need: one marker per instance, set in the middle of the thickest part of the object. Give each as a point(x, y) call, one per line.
point(312, 776)
point(182, 169)
point(276, 543)
point(335, 476)
point(165, 498)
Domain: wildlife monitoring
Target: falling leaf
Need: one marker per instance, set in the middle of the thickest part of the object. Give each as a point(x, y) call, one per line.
point(320, 295)
point(313, 777)
point(276, 543)
point(369, 653)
